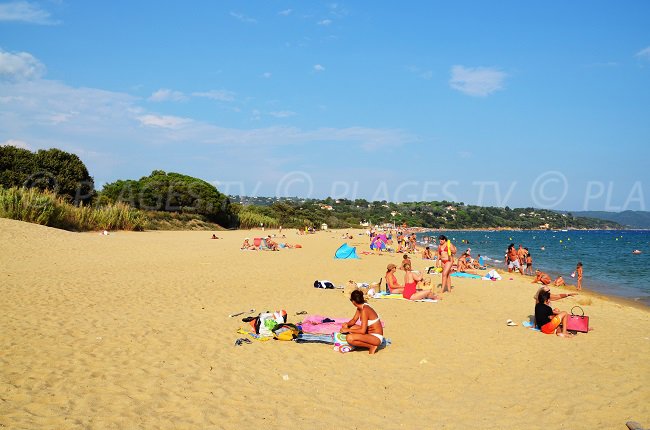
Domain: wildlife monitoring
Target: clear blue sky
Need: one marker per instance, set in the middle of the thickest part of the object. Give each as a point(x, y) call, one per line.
point(516, 103)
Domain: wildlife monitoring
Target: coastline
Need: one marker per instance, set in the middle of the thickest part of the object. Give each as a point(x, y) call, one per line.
point(132, 330)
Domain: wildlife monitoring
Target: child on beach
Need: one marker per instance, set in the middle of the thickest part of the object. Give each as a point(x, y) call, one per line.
point(405, 261)
point(426, 254)
point(579, 275)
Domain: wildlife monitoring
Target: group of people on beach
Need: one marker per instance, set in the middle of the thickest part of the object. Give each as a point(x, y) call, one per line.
point(369, 333)
point(522, 261)
point(265, 244)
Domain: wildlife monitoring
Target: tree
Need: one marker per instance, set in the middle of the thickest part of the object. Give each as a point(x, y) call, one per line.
point(173, 192)
point(51, 169)
point(16, 165)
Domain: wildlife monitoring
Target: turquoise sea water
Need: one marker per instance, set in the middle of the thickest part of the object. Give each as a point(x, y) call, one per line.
point(609, 265)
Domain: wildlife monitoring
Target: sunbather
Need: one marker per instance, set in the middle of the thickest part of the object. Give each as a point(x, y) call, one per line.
point(391, 280)
point(541, 277)
point(370, 333)
point(247, 245)
point(463, 265)
point(550, 320)
point(410, 286)
point(271, 244)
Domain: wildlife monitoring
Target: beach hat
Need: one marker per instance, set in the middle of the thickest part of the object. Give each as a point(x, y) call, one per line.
point(390, 266)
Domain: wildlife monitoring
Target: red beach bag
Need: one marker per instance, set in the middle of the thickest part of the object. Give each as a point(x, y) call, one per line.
point(578, 323)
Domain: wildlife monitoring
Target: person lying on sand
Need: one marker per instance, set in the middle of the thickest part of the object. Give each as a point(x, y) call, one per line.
point(550, 320)
point(273, 246)
point(370, 333)
point(541, 277)
point(391, 280)
point(410, 286)
point(247, 245)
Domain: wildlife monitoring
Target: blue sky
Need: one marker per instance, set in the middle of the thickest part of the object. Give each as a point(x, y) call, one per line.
point(543, 104)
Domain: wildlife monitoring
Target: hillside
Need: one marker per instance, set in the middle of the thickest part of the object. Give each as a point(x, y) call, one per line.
point(344, 213)
point(631, 219)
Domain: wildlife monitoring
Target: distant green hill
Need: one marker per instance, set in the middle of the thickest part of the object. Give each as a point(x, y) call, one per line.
point(633, 219)
point(344, 213)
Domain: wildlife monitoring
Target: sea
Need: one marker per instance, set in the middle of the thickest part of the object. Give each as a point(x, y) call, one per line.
point(609, 266)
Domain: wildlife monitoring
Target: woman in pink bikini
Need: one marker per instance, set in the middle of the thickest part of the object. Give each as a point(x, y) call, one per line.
point(410, 286)
point(446, 252)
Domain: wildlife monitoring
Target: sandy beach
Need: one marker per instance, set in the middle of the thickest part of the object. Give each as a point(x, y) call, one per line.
point(131, 330)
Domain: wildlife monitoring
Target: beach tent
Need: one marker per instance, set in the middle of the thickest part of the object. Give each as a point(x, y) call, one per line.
point(346, 251)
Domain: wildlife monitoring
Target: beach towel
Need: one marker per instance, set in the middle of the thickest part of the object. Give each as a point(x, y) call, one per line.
point(337, 339)
point(314, 324)
point(492, 275)
point(465, 275)
point(400, 297)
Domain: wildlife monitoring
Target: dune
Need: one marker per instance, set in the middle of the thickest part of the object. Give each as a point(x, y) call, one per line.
point(132, 330)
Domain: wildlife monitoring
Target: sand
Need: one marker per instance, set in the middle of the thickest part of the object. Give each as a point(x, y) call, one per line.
point(131, 330)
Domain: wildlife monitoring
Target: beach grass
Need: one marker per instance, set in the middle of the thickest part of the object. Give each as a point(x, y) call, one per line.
point(46, 208)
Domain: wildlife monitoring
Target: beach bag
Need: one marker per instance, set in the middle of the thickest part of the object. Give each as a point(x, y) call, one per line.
point(285, 331)
point(324, 284)
point(579, 323)
point(264, 323)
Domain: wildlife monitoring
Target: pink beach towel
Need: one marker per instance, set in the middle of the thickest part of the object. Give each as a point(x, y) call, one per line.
point(314, 324)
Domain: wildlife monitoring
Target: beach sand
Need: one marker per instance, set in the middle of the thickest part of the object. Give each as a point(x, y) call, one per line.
point(131, 330)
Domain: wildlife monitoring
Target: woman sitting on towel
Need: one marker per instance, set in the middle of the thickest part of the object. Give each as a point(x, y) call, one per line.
point(550, 320)
point(410, 286)
point(391, 280)
point(370, 333)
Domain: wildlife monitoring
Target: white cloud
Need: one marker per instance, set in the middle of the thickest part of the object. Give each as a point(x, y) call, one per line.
point(60, 117)
point(424, 74)
point(25, 12)
point(266, 75)
point(20, 66)
point(477, 81)
point(118, 136)
point(17, 143)
point(165, 94)
point(163, 121)
point(221, 95)
point(243, 18)
point(325, 22)
point(282, 114)
point(318, 68)
point(644, 53)
point(285, 12)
